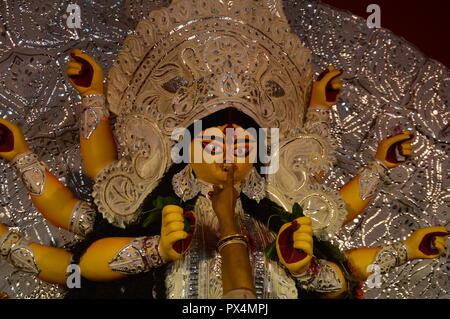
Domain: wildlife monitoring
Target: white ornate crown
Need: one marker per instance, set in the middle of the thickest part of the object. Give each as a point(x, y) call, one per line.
point(185, 62)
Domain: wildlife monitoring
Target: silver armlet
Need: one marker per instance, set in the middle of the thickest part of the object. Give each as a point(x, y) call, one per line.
point(92, 110)
point(82, 219)
point(371, 178)
point(320, 277)
point(139, 256)
point(18, 253)
point(391, 256)
point(31, 171)
point(317, 120)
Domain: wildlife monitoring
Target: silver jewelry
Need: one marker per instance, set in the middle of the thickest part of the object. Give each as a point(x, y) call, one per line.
point(254, 186)
point(82, 219)
point(391, 256)
point(320, 277)
point(185, 184)
point(92, 110)
point(371, 178)
point(230, 242)
point(31, 172)
point(317, 119)
point(8, 240)
point(141, 255)
point(16, 250)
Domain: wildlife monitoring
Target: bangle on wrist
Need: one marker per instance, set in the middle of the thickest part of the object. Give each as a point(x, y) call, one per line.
point(232, 239)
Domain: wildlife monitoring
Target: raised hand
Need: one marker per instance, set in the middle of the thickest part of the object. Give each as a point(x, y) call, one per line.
point(429, 242)
point(84, 73)
point(326, 89)
point(389, 149)
point(172, 230)
point(223, 199)
point(12, 141)
point(295, 245)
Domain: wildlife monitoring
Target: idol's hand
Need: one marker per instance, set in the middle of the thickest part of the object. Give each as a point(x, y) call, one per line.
point(172, 230)
point(84, 73)
point(326, 89)
point(390, 148)
point(12, 141)
point(295, 245)
point(429, 242)
point(223, 200)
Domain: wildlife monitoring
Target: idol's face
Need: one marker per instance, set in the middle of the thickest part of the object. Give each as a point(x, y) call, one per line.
point(213, 150)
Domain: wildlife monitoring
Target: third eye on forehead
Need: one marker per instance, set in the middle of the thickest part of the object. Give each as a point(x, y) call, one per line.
point(238, 135)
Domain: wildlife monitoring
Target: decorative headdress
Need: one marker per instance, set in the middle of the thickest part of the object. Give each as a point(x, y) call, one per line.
point(185, 62)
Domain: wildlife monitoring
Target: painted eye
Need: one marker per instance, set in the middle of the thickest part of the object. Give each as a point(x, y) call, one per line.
point(212, 148)
point(242, 151)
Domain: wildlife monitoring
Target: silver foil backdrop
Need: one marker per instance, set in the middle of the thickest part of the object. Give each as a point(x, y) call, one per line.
point(389, 86)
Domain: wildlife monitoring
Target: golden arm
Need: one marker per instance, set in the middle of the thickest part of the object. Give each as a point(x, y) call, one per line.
point(424, 243)
point(52, 199)
point(360, 190)
point(106, 259)
point(100, 262)
point(97, 144)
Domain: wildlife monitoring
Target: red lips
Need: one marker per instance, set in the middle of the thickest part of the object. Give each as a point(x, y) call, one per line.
point(6, 139)
point(286, 244)
point(182, 245)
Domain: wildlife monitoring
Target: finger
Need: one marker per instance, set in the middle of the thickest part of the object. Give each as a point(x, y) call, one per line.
point(440, 240)
point(168, 209)
point(436, 229)
point(74, 65)
point(230, 176)
point(441, 248)
point(303, 237)
point(173, 217)
point(304, 220)
point(406, 135)
point(303, 245)
point(176, 236)
point(72, 71)
point(78, 54)
point(331, 75)
point(406, 147)
point(325, 72)
point(7, 123)
point(406, 152)
point(305, 229)
point(174, 227)
point(337, 86)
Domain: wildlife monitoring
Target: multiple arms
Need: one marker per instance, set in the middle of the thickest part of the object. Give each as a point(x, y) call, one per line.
point(106, 259)
point(53, 200)
point(360, 190)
